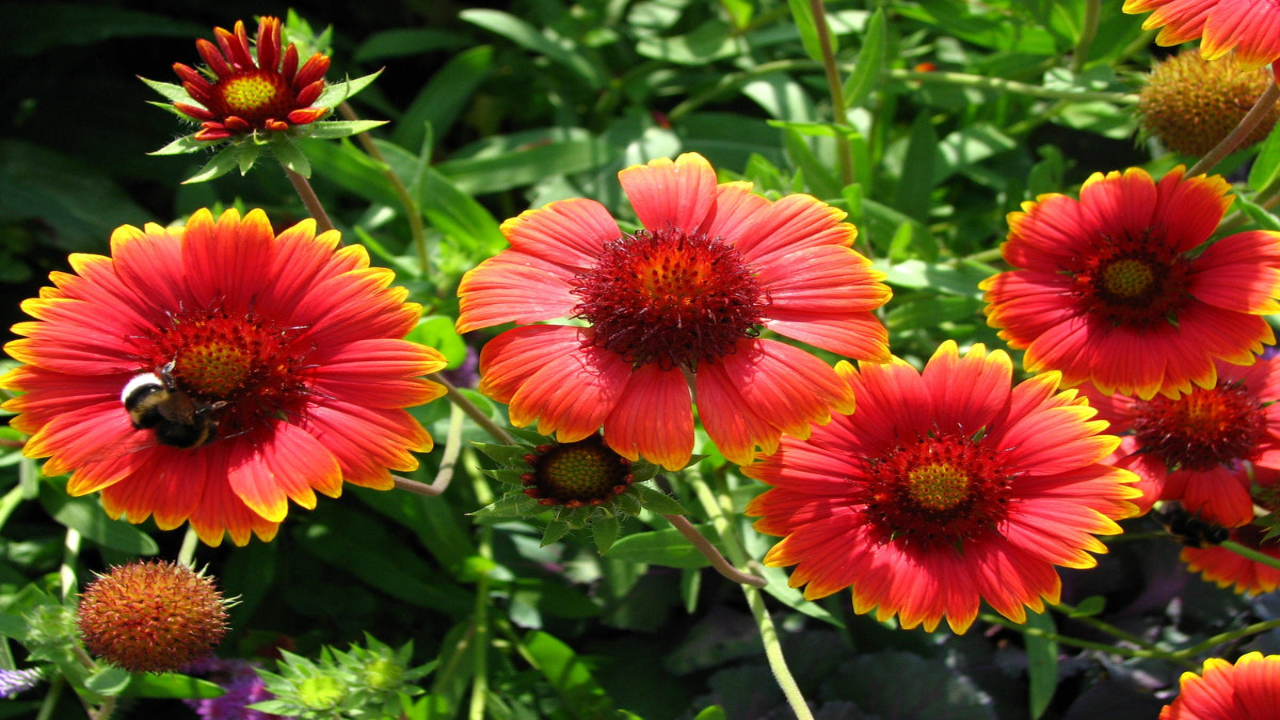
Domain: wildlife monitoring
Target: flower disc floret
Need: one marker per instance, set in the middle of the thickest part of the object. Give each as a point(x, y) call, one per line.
point(586, 472)
point(947, 487)
point(1191, 104)
point(682, 301)
point(1120, 288)
point(285, 351)
point(245, 92)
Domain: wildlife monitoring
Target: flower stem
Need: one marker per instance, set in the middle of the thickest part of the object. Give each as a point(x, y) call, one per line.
point(844, 151)
point(480, 618)
point(712, 504)
point(1086, 644)
point(187, 553)
point(452, 449)
point(473, 412)
point(1226, 637)
point(1092, 10)
point(1251, 120)
point(704, 546)
point(983, 82)
point(412, 213)
point(1251, 554)
point(70, 558)
point(1105, 627)
point(309, 199)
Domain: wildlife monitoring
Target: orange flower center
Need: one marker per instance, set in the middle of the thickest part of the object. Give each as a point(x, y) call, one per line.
point(1132, 282)
point(1202, 429)
point(254, 96)
point(250, 368)
point(940, 490)
point(670, 297)
point(586, 472)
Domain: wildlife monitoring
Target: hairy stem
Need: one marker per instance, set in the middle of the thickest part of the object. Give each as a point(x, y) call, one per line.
point(309, 199)
point(718, 561)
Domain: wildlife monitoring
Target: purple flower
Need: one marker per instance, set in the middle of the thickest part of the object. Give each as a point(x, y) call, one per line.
point(243, 687)
point(13, 682)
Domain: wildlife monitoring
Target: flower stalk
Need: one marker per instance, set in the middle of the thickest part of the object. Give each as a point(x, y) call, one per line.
point(309, 199)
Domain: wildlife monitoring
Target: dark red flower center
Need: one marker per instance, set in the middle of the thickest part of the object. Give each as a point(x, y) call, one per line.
point(1202, 429)
point(254, 96)
point(1134, 282)
point(247, 366)
point(586, 472)
point(940, 490)
point(670, 297)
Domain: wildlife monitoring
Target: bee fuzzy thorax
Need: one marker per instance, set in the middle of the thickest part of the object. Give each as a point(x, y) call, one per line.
point(138, 387)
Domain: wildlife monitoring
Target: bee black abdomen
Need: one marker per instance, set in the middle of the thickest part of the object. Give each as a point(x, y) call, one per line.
point(183, 436)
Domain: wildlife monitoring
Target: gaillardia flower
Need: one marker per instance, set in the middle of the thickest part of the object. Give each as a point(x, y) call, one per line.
point(1248, 689)
point(947, 487)
point(151, 616)
point(1196, 448)
point(1250, 27)
point(1118, 289)
point(243, 93)
point(682, 300)
point(1226, 568)
point(214, 373)
point(1192, 104)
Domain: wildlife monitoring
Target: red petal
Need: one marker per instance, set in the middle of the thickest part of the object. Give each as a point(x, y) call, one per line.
point(317, 65)
point(668, 194)
point(269, 43)
point(214, 59)
point(514, 287)
point(308, 94)
point(653, 418)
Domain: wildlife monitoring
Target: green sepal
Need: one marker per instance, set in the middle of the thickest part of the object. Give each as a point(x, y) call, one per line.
point(556, 529)
point(290, 156)
point(642, 470)
point(605, 531)
point(184, 145)
point(328, 130)
point(530, 436)
point(509, 456)
point(628, 503)
point(171, 92)
point(221, 164)
point(249, 153)
point(512, 505)
point(510, 476)
point(658, 502)
point(338, 93)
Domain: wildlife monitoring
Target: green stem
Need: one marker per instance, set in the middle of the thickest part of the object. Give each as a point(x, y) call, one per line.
point(704, 546)
point(1092, 10)
point(1011, 86)
point(417, 232)
point(50, 702)
point(309, 199)
point(714, 505)
point(452, 449)
point(495, 431)
point(1226, 637)
point(844, 150)
point(1086, 644)
point(1251, 120)
point(1251, 554)
point(70, 556)
point(480, 668)
point(1105, 627)
point(187, 553)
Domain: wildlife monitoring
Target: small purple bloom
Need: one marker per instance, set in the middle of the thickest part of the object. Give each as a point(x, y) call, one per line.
point(243, 687)
point(13, 682)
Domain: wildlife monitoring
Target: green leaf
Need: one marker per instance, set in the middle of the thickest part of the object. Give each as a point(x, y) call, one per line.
point(929, 312)
point(444, 97)
point(172, 685)
point(1266, 167)
point(604, 531)
point(821, 181)
point(507, 162)
point(714, 712)
point(1042, 663)
point(740, 11)
point(711, 41)
point(327, 130)
point(1259, 214)
point(249, 153)
point(170, 91)
point(870, 61)
point(224, 162)
point(512, 505)
point(290, 155)
point(1089, 607)
point(969, 146)
point(555, 530)
point(183, 145)
point(658, 502)
point(337, 93)
point(407, 41)
point(530, 38)
point(457, 215)
point(36, 27)
point(86, 516)
point(665, 547)
point(808, 27)
point(915, 186)
point(507, 455)
point(437, 331)
point(108, 681)
point(568, 675)
point(344, 165)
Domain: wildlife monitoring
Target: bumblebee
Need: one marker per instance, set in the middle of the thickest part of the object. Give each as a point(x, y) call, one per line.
point(154, 402)
point(1190, 529)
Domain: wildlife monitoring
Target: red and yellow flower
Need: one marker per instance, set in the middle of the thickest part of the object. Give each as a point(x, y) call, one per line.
point(946, 488)
point(1219, 565)
point(288, 346)
point(680, 301)
point(1117, 289)
point(1250, 27)
point(1197, 448)
point(1250, 688)
point(243, 92)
